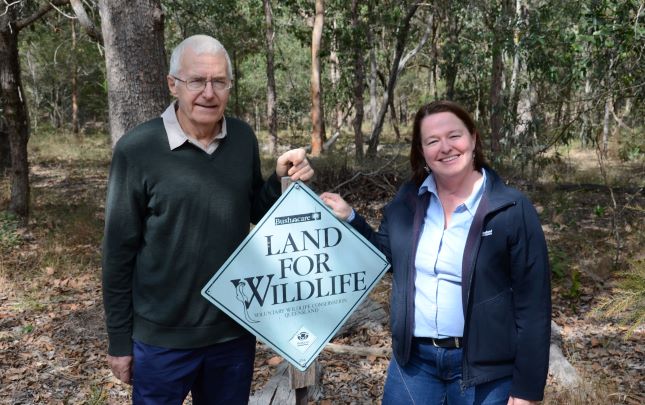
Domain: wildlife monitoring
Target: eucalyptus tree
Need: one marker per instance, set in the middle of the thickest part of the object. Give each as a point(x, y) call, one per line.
point(355, 49)
point(135, 59)
point(579, 75)
point(358, 11)
point(403, 15)
point(13, 18)
point(497, 17)
point(317, 109)
point(63, 74)
point(272, 115)
point(610, 39)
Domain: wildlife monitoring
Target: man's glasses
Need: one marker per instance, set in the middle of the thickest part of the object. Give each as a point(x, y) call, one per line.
point(200, 84)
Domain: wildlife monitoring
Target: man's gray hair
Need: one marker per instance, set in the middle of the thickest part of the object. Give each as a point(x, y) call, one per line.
point(200, 44)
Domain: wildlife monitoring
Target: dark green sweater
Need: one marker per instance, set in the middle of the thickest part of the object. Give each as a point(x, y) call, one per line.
point(172, 219)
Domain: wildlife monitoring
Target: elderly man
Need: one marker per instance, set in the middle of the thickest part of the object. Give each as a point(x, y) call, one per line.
point(182, 191)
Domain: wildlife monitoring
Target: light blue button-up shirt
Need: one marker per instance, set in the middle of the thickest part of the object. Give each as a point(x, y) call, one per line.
point(438, 309)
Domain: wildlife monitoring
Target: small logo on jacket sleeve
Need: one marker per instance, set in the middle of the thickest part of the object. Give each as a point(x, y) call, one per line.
point(487, 233)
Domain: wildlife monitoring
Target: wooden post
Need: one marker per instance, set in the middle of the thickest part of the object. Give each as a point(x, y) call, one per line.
point(301, 380)
point(285, 182)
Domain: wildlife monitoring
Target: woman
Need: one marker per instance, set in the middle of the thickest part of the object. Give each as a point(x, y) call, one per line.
point(470, 307)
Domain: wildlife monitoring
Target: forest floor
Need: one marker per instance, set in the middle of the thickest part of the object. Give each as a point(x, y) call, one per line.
point(52, 335)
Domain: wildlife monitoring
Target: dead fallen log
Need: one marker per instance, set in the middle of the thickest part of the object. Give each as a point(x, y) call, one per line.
point(279, 389)
point(278, 382)
point(559, 367)
point(368, 313)
point(358, 350)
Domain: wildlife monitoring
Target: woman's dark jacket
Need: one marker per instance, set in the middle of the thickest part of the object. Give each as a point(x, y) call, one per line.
point(506, 292)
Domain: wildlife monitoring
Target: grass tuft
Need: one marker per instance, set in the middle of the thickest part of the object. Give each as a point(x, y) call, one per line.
point(627, 301)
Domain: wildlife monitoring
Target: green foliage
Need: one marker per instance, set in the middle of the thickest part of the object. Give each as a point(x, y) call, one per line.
point(564, 273)
point(632, 147)
point(292, 62)
point(9, 225)
point(49, 58)
point(242, 35)
point(571, 58)
point(559, 263)
point(599, 210)
point(575, 288)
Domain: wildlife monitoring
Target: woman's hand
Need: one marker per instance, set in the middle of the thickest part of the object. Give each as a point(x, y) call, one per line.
point(341, 209)
point(518, 401)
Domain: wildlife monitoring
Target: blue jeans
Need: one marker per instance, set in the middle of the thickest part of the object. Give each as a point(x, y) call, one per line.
point(433, 377)
point(217, 374)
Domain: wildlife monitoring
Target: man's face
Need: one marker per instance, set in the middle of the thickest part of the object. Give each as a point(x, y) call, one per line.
point(200, 112)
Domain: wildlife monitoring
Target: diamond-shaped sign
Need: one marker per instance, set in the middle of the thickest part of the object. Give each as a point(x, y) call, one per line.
point(297, 277)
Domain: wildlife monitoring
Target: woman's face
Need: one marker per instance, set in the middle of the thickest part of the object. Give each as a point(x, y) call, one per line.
point(448, 147)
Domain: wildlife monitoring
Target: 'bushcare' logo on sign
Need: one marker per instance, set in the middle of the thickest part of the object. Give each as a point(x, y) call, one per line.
point(294, 219)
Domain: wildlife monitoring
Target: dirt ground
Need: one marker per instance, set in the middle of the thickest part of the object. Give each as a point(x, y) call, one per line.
point(52, 337)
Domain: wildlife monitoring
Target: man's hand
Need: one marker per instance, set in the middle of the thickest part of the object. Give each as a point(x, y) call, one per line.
point(518, 401)
point(294, 164)
point(121, 367)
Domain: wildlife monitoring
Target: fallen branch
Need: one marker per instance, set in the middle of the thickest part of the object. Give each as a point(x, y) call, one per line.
point(358, 174)
point(358, 350)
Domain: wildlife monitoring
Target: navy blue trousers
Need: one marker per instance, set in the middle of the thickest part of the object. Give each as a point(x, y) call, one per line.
point(217, 374)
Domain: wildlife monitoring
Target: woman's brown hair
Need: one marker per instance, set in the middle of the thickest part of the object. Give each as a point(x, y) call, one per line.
point(417, 161)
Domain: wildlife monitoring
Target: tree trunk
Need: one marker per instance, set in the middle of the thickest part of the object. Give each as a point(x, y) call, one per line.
point(397, 66)
point(5, 150)
point(359, 81)
point(587, 122)
point(514, 87)
point(74, 74)
point(317, 114)
point(605, 127)
point(15, 115)
point(85, 21)
point(495, 101)
point(453, 57)
point(497, 23)
point(373, 78)
point(272, 116)
point(393, 119)
point(14, 105)
point(434, 55)
point(236, 84)
point(31, 67)
point(403, 109)
point(334, 76)
point(135, 62)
